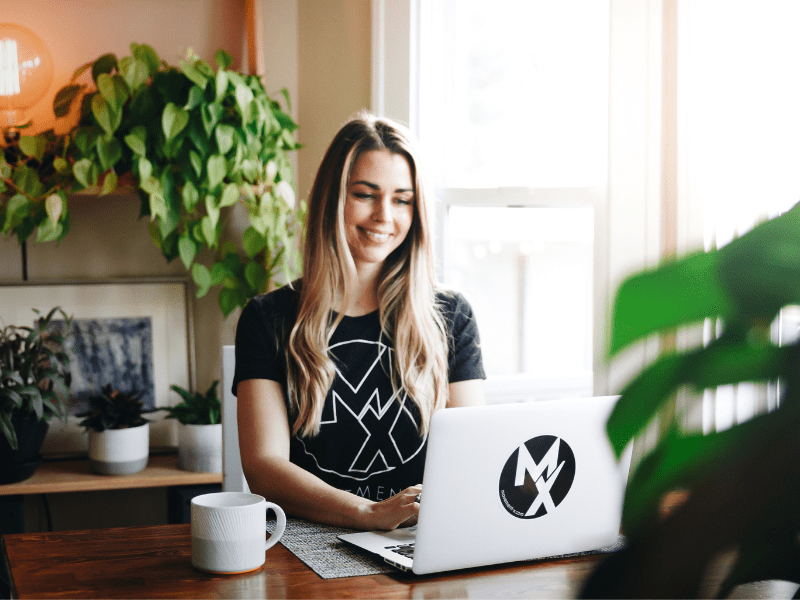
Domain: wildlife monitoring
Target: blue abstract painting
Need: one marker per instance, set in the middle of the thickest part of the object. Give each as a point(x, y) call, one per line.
point(116, 351)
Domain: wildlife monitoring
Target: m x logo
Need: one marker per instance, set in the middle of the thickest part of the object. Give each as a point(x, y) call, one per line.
point(543, 474)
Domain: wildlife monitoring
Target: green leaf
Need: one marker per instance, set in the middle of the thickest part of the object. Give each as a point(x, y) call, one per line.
point(213, 212)
point(16, 209)
point(223, 59)
point(173, 120)
point(145, 169)
point(217, 273)
point(230, 300)
point(244, 99)
point(33, 146)
point(48, 231)
point(194, 75)
point(61, 165)
point(104, 64)
point(285, 93)
point(195, 98)
point(683, 291)
point(761, 269)
point(187, 250)
point(82, 170)
point(27, 180)
point(108, 118)
point(211, 114)
point(230, 195)
point(221, 84)
point(253, 242)
point(720, 363)
point(63, 100)
point(197, 163)
point(190, 196)
point(8, 431)
point(134, 71)
point(109, 150)
point(113, 89)
point(136, 140)
point(146, 55)
point(199, 137)
point(209, 231)
point(226, 136)
point(202, 278)
point(109, 183)
point(54, 206)
point(217, 169)
point(254, 274)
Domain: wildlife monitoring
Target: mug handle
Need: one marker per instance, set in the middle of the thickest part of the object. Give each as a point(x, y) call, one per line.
point(279, 528)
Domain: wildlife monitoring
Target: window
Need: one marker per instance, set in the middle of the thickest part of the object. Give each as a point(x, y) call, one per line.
point(513, 113)
point(511, 103)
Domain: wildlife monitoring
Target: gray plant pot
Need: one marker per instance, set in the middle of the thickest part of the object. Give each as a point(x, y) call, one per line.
point(119, 451)
point(200, 448)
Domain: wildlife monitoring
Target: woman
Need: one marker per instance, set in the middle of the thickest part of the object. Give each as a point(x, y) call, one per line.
point(338, 374)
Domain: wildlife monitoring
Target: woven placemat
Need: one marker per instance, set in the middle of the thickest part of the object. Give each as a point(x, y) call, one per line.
point(324, 553)
point(319, 547)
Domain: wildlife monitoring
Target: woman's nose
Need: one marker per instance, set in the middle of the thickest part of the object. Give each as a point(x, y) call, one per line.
point(381, 210)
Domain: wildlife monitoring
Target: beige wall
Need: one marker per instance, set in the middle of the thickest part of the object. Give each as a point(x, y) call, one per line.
point(318, 49)
point(335, 44)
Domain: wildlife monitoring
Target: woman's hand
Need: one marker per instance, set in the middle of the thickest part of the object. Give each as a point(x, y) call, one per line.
point(400, 510)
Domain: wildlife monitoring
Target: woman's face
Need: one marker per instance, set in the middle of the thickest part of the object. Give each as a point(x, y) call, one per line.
point(379, 206)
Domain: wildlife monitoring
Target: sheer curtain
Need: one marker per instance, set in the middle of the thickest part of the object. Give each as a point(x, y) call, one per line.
point(739, 144)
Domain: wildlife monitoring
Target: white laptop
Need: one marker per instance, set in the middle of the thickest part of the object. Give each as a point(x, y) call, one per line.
point(511, 482)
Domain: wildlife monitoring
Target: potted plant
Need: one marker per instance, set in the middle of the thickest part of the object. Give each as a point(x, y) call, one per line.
point(199, 429)
point(34, 386)
point(741, 486)
point(194, 141)
point(119, 435)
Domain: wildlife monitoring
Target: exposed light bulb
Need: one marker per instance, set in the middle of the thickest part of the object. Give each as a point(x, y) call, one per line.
point(26, 71)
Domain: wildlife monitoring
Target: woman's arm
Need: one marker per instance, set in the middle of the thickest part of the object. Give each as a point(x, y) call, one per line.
point(466, 393)
point(264, 437)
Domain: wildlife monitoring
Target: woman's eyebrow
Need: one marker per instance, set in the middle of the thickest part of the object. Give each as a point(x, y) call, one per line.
point(374, 186)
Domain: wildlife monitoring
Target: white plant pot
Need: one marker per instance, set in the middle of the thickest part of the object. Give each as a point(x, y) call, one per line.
point(119, 451)
point(200, 448)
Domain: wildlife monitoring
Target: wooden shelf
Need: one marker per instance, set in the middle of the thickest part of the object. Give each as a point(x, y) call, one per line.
point(60, 476)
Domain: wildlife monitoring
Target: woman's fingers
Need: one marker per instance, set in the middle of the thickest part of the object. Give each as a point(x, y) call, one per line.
point(400, 509)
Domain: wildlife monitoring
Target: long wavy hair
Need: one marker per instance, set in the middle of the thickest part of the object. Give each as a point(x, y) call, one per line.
point(410, 319)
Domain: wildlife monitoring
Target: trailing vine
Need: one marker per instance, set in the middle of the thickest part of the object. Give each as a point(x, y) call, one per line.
point(193, 140)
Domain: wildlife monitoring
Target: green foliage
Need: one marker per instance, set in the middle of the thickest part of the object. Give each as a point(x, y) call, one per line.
point(197, 141)
point(34, 373)
point(197, 408)
point(113, 409)
point(743, 484)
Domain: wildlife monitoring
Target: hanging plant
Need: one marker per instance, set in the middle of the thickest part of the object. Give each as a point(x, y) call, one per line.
point(195, 142)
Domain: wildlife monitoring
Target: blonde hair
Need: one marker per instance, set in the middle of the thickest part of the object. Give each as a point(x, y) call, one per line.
point(407, 286)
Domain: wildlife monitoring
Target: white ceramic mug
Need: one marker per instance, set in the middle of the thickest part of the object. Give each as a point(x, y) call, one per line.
point(229, 531)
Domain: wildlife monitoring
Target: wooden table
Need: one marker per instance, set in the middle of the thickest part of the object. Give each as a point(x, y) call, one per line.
point(154, 562)
point(75, 475)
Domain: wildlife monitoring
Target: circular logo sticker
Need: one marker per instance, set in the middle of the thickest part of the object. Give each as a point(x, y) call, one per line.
point(537, 477)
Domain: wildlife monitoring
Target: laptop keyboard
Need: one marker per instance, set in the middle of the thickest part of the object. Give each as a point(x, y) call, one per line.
point(406, 550)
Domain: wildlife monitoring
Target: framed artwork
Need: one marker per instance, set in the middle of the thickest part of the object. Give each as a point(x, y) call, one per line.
point(135, 335)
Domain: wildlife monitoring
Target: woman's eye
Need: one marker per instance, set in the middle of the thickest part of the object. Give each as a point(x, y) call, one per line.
point(362, 196)
point(403, 201)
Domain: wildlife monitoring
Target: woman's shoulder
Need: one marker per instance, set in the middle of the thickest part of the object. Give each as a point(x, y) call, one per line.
point(278, 301)
point(450, 298)
point(453, 304)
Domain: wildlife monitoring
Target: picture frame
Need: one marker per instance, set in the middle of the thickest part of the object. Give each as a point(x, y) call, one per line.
point(143, 326)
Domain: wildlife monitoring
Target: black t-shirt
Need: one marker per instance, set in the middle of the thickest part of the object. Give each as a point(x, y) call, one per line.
point(368, 443)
